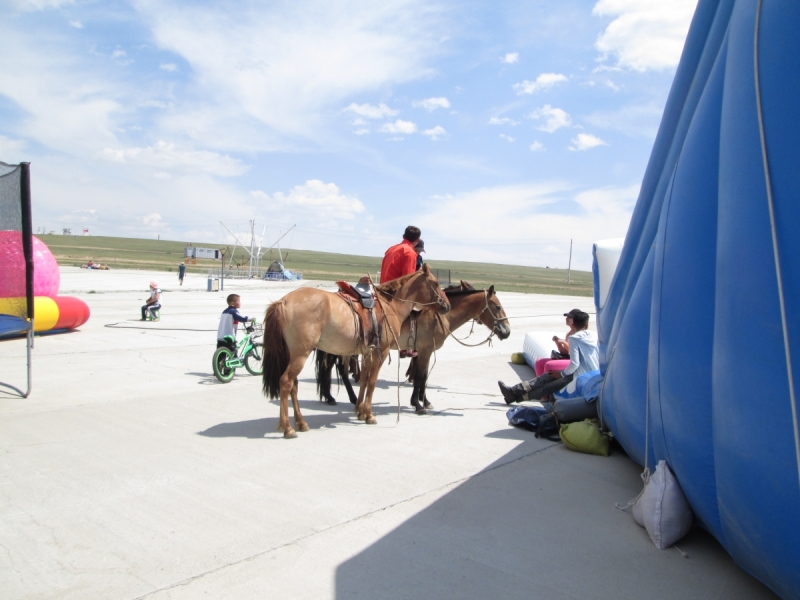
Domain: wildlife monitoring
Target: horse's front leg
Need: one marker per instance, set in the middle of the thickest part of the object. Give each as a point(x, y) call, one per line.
point(366, 366)
point(421, 379)
point(371, 378)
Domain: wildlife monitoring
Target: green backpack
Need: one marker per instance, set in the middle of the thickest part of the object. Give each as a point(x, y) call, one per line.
point(586, 436)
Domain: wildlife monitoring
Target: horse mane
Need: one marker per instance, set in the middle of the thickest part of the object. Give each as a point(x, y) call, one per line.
point(460, 289)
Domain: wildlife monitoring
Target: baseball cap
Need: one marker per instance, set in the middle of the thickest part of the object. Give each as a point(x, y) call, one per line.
point(420, 246)
point(573, 313)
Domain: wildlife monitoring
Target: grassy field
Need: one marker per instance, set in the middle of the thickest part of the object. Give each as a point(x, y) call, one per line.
point(133, 253)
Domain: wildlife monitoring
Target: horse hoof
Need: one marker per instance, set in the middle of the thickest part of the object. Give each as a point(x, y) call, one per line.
point(428, 406)
point(372, 421)
point(421, 411)
point(303, 427)
point(330, 402)
point(289, 434)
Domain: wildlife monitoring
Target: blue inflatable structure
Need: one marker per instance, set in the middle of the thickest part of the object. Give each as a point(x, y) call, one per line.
point(700, 327)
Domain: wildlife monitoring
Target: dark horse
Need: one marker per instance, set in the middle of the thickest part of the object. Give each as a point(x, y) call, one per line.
point(466, 304)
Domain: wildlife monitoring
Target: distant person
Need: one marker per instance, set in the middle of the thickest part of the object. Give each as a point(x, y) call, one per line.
point(229, 322)
point(181, 272)
point(419, 249)
point(401, 259)
point(153, 303)
point(583, 358)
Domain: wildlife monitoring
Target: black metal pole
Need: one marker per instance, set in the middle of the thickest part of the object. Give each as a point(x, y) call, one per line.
point(27, 232)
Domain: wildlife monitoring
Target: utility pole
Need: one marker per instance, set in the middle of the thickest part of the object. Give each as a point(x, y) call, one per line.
point(569, 267)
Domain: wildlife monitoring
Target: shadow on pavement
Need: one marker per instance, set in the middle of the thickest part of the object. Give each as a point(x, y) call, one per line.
point(540, 523)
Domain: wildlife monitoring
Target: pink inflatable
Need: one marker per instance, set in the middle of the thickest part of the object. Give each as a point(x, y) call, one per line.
point(46, 278)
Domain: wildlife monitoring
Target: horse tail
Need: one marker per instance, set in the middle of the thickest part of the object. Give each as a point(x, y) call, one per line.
point(323, 367)
point(412, 370)
point(276, 352)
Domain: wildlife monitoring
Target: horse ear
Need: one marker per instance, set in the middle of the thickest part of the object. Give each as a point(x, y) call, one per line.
point(425, 268)
point(491, 291)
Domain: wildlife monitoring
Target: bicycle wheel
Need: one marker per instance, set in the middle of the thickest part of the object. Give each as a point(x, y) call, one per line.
point(221, 371)
point(253, 361)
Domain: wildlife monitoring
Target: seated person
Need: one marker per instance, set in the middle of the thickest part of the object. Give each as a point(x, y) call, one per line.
point(153, 303)
point(584, 357)
point(563, 344)
point(229, 322)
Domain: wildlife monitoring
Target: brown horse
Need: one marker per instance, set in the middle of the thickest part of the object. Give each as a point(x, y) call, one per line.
point(466, 304)
point(432, 331)
point(309, 318)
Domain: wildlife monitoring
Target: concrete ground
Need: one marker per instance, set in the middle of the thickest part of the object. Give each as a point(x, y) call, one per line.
point(131, 472)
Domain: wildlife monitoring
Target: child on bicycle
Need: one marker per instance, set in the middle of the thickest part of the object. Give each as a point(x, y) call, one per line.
point(229, 322)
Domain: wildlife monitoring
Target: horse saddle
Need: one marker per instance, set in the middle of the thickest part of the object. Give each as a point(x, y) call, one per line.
point(362, 301)
point(361, 292)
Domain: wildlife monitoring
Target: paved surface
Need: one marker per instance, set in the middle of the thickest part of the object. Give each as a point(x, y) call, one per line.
point(130, 472)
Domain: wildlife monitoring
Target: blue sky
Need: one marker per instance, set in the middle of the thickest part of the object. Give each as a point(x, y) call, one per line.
point(501, 129)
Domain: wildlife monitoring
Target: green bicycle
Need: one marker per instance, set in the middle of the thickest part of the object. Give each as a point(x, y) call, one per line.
point(248, 355)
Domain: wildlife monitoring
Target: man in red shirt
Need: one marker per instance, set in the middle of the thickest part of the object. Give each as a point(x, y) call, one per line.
point(401, 259)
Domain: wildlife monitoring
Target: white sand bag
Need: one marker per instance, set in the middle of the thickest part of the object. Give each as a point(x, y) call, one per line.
point(662, 509)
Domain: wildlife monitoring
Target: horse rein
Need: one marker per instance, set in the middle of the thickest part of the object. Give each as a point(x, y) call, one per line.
point(491, 331)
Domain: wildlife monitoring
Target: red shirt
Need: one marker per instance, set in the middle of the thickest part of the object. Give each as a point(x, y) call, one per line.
point(399, 260)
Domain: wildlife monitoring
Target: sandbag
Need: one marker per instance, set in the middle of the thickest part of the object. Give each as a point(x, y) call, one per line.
point(586, 437)
point(662, 508)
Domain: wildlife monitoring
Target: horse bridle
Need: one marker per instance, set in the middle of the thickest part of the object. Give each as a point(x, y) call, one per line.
point(491, 314)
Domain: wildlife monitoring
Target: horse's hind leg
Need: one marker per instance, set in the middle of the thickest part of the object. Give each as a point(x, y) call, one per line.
point(371, 380)
point(288, 387)
point(299, 422)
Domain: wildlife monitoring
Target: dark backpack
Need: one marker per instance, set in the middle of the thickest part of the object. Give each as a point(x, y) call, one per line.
point(537, 419)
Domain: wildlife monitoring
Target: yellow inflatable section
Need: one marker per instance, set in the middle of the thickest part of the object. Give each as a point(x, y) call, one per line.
point(45, 309)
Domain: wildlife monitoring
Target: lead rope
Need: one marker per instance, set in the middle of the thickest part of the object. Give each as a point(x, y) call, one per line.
point(389, 325)
point(775, 250)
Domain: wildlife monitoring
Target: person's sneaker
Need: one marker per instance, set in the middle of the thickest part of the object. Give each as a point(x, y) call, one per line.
point(508, 393)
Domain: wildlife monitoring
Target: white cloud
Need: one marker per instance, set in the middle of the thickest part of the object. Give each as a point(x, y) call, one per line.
point(171, 67)
point(372, 112)
point(585, 141)
point(632, 120)
point(545, 81)
point(121, 57)
point(510, 58)
point(167, 156)
point(324, 199)
point(537, 221)
point(507, 138)
point(153, 220)
point(399, 126)
point(502, 121)
point(431, 104)
point(286, 66)
point(645, 34)
point(435, 133)
point(41, 4)
point(11, 151)
point(551, 118)
point(537, 146)
point(76, 24)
